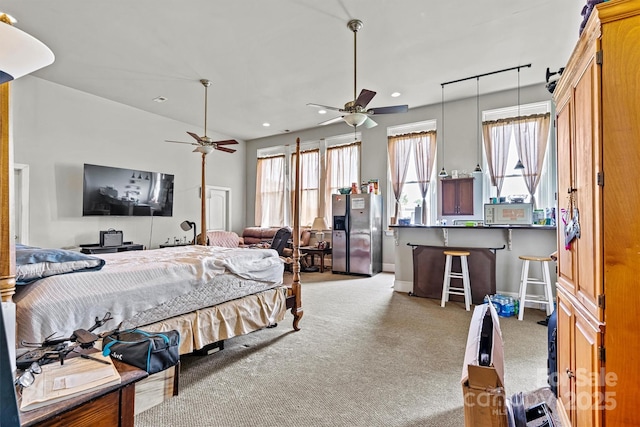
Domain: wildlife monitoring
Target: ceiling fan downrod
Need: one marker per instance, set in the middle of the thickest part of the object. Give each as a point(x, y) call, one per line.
point(206, 83)
point(355, 25)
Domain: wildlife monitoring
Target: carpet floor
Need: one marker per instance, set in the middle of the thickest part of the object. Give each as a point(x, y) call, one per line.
point(365, 356)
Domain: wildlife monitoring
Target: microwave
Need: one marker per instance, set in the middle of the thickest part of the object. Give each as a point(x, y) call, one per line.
point(508, 214)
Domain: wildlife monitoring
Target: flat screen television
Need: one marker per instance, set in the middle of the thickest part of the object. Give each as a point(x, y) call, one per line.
point(126, 192)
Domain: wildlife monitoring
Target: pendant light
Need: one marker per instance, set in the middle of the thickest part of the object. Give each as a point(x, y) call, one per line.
point(519, 165)
point(443, 172)
point(478, 168)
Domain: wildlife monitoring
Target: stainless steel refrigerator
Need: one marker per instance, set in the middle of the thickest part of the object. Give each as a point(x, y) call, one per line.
point(357, 234)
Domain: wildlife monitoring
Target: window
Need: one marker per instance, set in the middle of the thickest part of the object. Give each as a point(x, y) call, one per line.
point(270, 191)
point(412, 154)
point(325, 166)
point(508, 138)
point(342, 170)
point(309, 185)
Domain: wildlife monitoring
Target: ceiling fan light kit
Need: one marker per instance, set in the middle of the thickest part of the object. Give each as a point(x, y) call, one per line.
point(355, 119)
point(355, 113)
point(20, 53)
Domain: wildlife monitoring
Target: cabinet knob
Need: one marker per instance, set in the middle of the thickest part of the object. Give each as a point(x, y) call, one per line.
point(570, 373)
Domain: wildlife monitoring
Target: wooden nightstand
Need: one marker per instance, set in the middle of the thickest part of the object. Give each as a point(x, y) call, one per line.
point(110, 406)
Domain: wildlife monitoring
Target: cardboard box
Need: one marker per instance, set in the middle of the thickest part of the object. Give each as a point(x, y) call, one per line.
point(483, 386)
point(157, 388)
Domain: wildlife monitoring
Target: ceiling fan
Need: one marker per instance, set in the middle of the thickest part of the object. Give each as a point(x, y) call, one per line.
point(204, 143)
point(356, 112)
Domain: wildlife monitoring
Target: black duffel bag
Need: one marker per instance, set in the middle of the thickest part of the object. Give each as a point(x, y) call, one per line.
point(150, 351)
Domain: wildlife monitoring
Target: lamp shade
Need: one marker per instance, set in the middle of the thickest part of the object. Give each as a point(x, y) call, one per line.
point(319, 224)
point(355, 119)
point(20, 53)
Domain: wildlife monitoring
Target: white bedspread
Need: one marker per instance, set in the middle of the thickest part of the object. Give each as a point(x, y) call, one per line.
point(141, 287)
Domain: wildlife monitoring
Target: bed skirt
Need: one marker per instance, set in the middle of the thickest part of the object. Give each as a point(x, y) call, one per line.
point(227, 320)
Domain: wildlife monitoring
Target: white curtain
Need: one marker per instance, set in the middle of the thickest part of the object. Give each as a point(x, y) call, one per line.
point(425, 151)
point(497, 136)
point(270, 192)
point(309, 185)
point(531, 136)
point(399, 152)
point(343, 169)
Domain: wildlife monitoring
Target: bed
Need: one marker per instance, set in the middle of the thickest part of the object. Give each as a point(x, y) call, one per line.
point(170, 288)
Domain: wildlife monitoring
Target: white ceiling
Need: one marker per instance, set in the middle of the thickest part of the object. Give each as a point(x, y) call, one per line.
point(268, 59)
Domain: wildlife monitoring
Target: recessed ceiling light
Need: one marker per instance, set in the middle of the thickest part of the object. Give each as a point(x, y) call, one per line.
point(395, 94)
point(159, 99)
point(322, 111)
point(265, 124)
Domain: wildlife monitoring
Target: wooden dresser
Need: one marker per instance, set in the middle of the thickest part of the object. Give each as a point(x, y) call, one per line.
point(112, 406)
point(598, 139)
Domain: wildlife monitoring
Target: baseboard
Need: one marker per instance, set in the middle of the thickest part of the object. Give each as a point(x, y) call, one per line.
point(389, 268)
point(402, 286)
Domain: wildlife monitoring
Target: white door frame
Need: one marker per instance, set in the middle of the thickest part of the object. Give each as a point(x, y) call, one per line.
point(21, 203)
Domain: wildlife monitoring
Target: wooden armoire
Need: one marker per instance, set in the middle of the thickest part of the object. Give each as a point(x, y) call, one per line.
point(598, 139)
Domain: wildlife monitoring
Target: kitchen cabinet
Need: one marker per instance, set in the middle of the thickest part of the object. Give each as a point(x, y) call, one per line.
point(457, 196)
point(598, 103)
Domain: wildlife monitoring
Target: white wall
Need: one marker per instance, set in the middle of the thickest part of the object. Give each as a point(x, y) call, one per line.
point(57, 129)
point(460, 138)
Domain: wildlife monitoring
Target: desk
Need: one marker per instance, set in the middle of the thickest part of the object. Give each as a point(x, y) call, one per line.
point(97, 249)
point(313, 251)
point(109, 406)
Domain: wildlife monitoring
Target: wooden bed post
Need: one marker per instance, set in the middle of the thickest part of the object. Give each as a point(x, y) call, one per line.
point(203, 205)
point(296, 310)
point(7, 248)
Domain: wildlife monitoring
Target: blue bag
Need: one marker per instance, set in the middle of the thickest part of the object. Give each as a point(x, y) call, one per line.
point(150, 351)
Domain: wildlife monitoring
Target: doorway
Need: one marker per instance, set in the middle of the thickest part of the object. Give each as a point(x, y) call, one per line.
point(218, 208)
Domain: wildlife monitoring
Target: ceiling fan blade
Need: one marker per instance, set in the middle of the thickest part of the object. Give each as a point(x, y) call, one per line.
point(369, 123)
point(326, 107)
point(365, 97)
point(330, 121)
point(389, 110)
point(228, 150)
point(181, 142)
point(196, 137)
point(226, 142)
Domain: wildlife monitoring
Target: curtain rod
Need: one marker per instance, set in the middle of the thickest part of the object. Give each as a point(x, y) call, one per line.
point(485, 74)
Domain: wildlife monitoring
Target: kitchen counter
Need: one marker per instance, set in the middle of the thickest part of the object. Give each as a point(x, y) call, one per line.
point(476, 227)
point(508, 241)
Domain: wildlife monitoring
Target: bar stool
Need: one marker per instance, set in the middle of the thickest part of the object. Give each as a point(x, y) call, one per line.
point(465, 290)
point(525, 280)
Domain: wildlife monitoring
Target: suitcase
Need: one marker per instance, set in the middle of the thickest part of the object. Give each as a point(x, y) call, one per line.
point(552, 361)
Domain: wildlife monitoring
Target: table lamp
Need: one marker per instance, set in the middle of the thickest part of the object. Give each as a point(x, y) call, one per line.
point(188, 225)
point(319, 224)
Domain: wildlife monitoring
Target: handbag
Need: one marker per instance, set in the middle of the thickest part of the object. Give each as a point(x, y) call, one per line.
point(149, 351)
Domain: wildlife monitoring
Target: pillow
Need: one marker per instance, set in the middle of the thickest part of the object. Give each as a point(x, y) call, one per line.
point(34, 263)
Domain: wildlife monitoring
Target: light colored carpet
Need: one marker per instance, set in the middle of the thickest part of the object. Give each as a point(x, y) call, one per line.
point(366, 356)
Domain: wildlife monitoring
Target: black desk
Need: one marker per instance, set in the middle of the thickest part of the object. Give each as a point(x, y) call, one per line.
point(174, 245)
point(97, 249)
